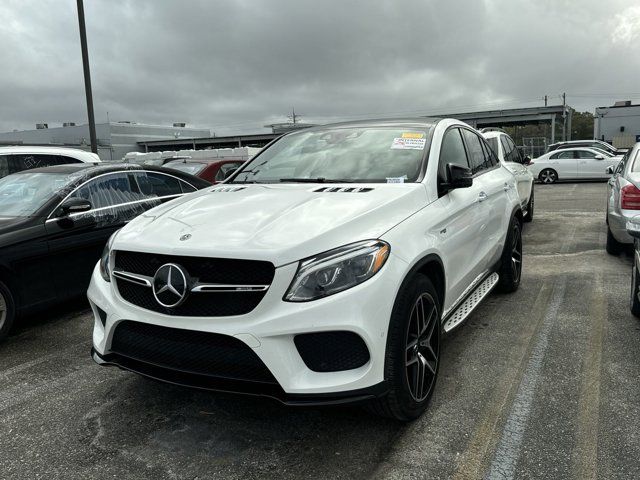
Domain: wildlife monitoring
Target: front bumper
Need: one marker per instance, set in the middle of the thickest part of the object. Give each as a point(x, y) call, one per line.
point(203, 382)
point(269, 331)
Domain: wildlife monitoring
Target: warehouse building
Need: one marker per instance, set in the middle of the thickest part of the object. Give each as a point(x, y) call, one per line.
point(115, 139)
point(618, 124)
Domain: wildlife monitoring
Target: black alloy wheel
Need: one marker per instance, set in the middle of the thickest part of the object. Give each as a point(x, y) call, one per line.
point(422, 347)
point(516, 252)
point(412, 356)
point(529, 216)
point(510, 271)
point(548, 175)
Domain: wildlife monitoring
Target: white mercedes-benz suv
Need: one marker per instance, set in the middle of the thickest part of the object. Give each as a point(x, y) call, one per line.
point(324, 271)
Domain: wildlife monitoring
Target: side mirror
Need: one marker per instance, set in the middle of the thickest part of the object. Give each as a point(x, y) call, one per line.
point(75, 205)
point(457, 177)
point(526, 160)
point(610, 169)
point(599, 157)
point(633, 226)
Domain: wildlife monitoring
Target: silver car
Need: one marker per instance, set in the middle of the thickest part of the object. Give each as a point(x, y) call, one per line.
point(623, 199)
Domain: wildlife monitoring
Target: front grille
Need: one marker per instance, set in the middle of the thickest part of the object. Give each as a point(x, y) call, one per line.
point(206, 270)
point(190, 351)
point(332, 351)
point(203, 270)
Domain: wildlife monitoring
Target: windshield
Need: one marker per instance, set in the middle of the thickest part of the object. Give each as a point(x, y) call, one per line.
point(359, 154)
point(192, 167)
point(22, 194)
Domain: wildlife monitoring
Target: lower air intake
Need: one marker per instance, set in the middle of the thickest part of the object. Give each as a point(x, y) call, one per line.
point(332, 351)
point(190, 351)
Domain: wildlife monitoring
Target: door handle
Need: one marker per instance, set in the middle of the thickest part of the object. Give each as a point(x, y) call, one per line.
point(482, 197)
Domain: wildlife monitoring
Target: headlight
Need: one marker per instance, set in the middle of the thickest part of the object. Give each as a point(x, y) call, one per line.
point(106, 258)
point(337, 270)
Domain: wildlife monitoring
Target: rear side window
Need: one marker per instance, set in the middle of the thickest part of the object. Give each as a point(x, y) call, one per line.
point(493, 143)
point(586, 154)
point(563, 154)
point(477, 160)
point(109, 190)
point(452, 151)
point(153, 184)
point(491, 158)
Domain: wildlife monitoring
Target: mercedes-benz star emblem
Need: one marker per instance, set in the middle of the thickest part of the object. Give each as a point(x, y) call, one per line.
point(170, 285)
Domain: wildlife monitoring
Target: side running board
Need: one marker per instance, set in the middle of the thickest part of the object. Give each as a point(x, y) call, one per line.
point(471, 302)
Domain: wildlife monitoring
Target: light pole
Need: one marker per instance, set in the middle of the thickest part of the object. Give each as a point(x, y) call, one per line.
point(87, 77)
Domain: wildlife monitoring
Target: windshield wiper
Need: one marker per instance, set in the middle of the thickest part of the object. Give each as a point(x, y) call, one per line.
point(315, 180)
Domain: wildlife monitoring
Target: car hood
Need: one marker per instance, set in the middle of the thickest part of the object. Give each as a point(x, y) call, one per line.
point(278, 223)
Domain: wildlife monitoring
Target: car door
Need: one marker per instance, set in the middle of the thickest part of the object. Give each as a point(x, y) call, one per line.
point(591, 164)
point(463, 218)
point(76, 241)
point(496, 182)
point(565, 162)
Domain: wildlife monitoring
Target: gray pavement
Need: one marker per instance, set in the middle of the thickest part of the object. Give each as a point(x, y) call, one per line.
point(542, 383)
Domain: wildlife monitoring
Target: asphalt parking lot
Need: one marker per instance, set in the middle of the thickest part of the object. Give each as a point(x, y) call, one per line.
point(542, 383)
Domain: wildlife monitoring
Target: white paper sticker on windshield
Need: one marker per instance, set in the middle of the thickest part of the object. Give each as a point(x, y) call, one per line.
point(395, 179)
point(408, 143)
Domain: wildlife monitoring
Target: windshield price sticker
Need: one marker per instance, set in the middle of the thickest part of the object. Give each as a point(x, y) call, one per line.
point(408, 143)
point(413, 135)
point(396, 179)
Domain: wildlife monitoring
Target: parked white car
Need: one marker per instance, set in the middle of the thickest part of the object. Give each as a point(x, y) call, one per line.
point(324, 271)
point(623, 199)
point(573, 164)
point(16, 158)
point(510, 157)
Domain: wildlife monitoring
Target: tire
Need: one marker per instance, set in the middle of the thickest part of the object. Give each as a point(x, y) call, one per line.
point(613, 246)
point(548, 175)
point(634, 303)
point(411, 355)
point(529, 215)
point(511, 261)
point(7, 311)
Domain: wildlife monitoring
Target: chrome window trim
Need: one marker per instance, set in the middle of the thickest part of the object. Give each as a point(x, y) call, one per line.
point(119, 204)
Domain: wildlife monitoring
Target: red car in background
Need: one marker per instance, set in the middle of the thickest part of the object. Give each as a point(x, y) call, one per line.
point(214, 170)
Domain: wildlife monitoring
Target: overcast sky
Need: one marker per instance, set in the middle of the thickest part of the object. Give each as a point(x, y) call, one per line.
point(237, 65)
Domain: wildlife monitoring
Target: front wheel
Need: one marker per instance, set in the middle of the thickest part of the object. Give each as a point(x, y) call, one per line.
point(7, 311)
point(548, 175)
point(529, 215)
point(412, 358)
point(511, 261)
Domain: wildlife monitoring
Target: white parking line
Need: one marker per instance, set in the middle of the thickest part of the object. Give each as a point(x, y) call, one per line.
point(506, 457)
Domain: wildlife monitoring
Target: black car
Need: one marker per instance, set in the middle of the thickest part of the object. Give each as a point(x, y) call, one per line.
point(55, 222)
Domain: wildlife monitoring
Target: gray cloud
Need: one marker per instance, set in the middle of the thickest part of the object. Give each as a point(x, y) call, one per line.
point(237, 65)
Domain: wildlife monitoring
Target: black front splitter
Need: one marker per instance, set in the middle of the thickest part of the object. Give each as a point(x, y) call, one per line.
point(243, 387)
